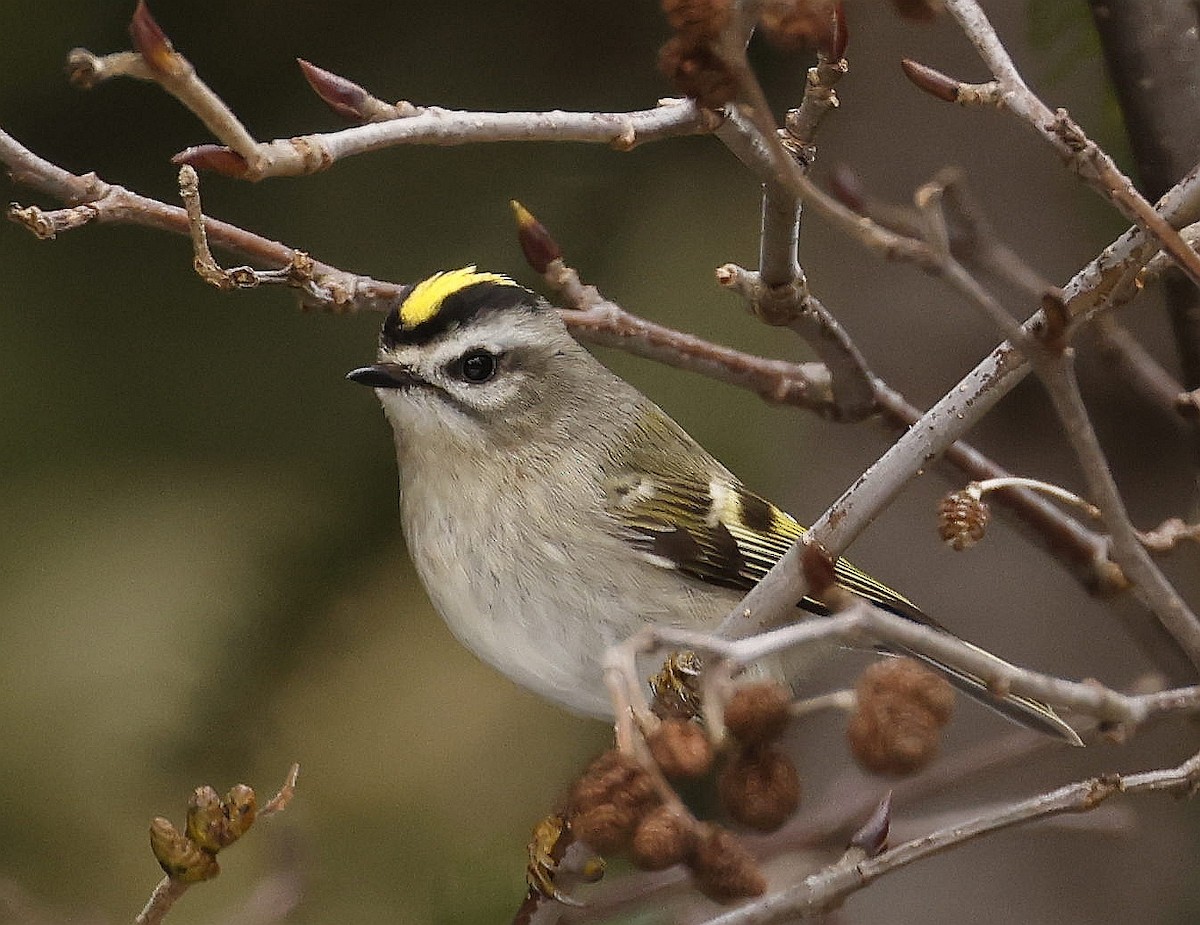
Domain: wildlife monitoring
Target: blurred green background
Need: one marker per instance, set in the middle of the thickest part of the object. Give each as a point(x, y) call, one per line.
point(201, 572)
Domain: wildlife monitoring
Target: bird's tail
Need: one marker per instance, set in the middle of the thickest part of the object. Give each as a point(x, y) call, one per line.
point(1025, 711)
point(1033, 714)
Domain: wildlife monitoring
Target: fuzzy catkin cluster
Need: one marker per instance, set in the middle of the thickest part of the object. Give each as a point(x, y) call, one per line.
point(901, 711)
point(759, 785)
point(616, 810)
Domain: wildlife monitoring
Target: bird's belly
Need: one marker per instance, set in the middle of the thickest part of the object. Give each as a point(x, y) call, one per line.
point(545, 615)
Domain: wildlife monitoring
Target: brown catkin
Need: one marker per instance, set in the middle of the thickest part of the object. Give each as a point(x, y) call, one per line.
point(723, 869)
point(758, 712)
point(697, 71)
point(796, 24)
point(760, 788)
point(962, 520)
point(698, 17)
point(609, 772)
point(609, 799)
point(606, 828)
point(681, 748)
point(902, 707)
point(663, 838)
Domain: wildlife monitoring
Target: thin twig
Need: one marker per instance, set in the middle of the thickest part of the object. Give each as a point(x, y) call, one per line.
point(165, 893)
point(1153, 586)
point(1169, 534)
point(1054, 365)
point(112, 204)
point(305, 154)
point(1105, 282)
point(240, 155)
point(170, 889)
point(1133, 364)
point(792, 305)
point(1079, 152)
point(830, 887)
point(864, 623)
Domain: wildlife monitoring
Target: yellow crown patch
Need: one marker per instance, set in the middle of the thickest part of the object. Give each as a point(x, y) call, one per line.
point(426, 299)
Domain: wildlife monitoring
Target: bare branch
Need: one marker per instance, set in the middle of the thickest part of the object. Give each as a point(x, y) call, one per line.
point(213, 824)
point(163, 897)
point(1078, 151)
point(110, 204)
point(792, 305)
point(1132, 363)
point(433, 125)
point(1151, 584)
point(862, 623)
point(829, 887)
point(1169, 534)
point(1053, 363)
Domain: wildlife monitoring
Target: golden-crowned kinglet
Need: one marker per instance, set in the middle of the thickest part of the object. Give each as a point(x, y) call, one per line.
point(552, 510)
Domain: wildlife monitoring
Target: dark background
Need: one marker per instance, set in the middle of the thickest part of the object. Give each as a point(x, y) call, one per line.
point(202, 577)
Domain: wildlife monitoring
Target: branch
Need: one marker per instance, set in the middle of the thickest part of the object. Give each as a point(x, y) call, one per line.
point(432, 125)
point(241, 156)
point(93, 200)
point(1134, 364)
point(828, 888)
point(1051, 358)
point(1172, 611)
point(1079, 152)
point(863, 624)
point(1153, 63)
point(1107, 281)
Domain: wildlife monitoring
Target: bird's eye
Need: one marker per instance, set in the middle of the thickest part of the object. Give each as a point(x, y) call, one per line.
point(478, 366)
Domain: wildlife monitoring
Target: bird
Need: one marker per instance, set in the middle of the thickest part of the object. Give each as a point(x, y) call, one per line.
point(552, 510)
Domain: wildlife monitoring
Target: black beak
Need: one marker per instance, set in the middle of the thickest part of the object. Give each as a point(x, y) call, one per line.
point(383, 376)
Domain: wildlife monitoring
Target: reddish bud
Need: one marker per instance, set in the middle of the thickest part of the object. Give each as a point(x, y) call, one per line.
point(872, 838)
point(539, 248)
point(343, 96)
point(847, 188)
point(933, 82)
point(216, 158)
point(839, 35)
point(151, 42)
point(819, 570)
point(1058, 319)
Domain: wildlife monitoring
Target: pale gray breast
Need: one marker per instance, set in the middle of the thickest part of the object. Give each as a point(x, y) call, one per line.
point(527, 578)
